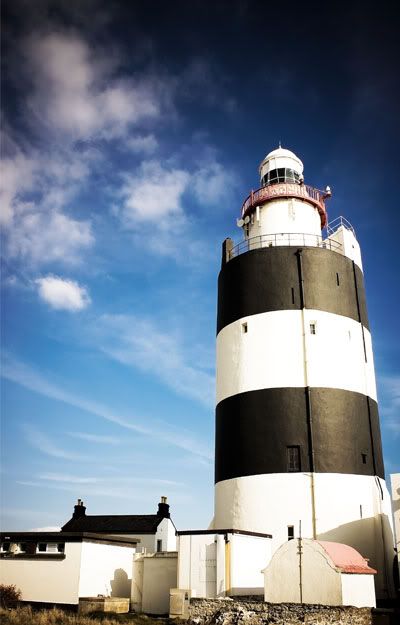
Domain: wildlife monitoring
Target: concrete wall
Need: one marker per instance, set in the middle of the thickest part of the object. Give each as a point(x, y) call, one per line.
point(47, 581)
point(316, 581)
point(320, 583)
point(395, 483)
point(349, 243)
point(105, 570)
point(197, 557)
point(153, 576)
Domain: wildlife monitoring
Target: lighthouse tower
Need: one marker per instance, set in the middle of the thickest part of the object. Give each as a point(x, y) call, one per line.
point(297, 427)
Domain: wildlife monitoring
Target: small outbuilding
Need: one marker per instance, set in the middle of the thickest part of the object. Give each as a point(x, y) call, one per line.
point(319, 572)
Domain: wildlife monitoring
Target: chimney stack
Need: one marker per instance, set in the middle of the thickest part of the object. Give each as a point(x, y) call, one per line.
point(163, 509)
point(79, 510)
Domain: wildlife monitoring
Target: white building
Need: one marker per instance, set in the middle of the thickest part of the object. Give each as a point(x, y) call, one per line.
point(222, 563)
point(319, 572)
point(59, 568)
point(155, 532)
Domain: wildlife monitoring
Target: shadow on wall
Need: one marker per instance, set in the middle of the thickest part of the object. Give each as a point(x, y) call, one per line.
point(366, 535)
point(121, 584)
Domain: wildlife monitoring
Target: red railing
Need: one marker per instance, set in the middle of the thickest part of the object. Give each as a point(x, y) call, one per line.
point(285, 189)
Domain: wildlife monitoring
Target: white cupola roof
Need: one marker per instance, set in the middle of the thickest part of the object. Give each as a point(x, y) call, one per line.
point(281, 158)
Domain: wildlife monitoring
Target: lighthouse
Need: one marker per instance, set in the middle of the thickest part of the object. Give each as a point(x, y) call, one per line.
point(298, 446)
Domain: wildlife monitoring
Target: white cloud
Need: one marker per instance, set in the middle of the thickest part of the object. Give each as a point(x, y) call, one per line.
point(48, 528)
point(40, 238)
point(71, 479)
point(153, 194)
point(138, 342)
point(213, 183)
point(141, 144)
point(63, 294)
point(76, 91)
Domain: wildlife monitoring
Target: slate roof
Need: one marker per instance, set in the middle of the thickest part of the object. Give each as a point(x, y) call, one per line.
point(114, 524)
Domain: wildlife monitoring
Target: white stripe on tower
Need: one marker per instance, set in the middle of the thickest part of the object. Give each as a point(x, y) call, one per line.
point(267, 351)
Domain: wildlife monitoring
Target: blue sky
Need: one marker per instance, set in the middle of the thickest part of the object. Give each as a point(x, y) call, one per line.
point(131, 133)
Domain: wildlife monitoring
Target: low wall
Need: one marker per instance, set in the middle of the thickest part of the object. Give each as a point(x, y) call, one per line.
point(253, 612)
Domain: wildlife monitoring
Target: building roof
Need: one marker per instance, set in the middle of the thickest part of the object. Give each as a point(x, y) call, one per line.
point(114, 524)
point(66, 537)
point(346, 558)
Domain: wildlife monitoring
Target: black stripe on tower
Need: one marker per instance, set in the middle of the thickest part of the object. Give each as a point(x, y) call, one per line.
point(255, 430)
point(268, 279)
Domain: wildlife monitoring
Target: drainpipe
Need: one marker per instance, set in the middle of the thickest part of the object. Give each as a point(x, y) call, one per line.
point(308, 393)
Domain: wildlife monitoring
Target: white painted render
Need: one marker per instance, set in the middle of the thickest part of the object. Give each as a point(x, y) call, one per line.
point(270, 503)
point(166, 533)
point(281, 216)
point(249, 555)
point(215, 565)
point(273, 354)
point(319, 581)
point(47, 581)
point(105, 569)
point(350, 247)
point(148, 542)
point(358, 590)
point(152, 578)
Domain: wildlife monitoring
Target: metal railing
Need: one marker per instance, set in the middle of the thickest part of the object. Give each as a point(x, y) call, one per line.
point(336, 223)
point(290, 239)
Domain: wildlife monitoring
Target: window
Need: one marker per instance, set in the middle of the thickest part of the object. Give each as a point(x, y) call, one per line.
point(244, 328)
point(364, 458)
point(293, 458)
point(290, 532)
point(5, 547)
point(51, 547)
point(22, 547)
point(313, 327)
point(159, 546)
point(337, 279)
point(283, 174)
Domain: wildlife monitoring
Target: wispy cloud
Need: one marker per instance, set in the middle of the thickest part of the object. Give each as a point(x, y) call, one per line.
point(24, 375)
point(140, 343)
point(43, 443)
point(96, 438)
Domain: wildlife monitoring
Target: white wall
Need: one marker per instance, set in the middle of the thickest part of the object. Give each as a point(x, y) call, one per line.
point(197, 567)
point(45, 580)
point(106, 570)
point(147, 542)
point(271, 353)
point(293, 215)
point(350, 245)
point(358, 590)
point(395, 483)
point(269, 503)
point(249, 555)
point(159, 576)
point(320, 582)
point(166, 533)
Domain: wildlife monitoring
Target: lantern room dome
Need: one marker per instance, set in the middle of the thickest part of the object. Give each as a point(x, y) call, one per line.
point(285, 162)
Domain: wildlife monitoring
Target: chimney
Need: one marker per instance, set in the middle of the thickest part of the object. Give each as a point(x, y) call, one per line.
point(163, 509)
point(79, 510)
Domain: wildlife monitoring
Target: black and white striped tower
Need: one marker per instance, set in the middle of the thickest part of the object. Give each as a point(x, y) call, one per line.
point(297, 426)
